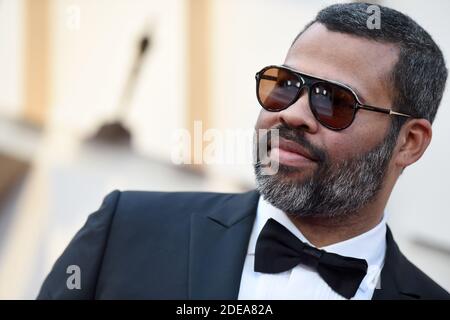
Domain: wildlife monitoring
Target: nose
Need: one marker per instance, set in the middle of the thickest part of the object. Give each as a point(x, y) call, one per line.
point(299, 115)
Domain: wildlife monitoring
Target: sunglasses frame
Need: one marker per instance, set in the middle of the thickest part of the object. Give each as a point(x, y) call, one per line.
point(308, 81)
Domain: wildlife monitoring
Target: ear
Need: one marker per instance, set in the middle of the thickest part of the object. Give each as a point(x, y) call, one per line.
point(413, 140)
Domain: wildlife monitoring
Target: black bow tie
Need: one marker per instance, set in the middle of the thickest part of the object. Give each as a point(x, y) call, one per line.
point(278, 250)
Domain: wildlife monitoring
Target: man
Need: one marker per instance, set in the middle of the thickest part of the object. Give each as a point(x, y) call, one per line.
point(352, 107)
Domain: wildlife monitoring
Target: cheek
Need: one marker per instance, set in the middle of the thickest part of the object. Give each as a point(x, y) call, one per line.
point(338, 147)
point(355, 140)
point(370, 129)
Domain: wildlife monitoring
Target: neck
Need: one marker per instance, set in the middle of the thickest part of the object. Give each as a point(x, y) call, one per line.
point(322, 231)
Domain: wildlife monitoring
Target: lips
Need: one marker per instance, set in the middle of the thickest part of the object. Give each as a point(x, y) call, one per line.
point(291, 147)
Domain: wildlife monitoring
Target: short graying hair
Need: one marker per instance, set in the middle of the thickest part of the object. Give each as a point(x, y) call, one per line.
point(419, 75)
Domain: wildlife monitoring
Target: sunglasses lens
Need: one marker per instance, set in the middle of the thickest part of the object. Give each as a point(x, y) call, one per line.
point(277, 88)
point(333, 105)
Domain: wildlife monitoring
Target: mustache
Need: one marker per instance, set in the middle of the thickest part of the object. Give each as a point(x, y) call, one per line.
point(297, 136)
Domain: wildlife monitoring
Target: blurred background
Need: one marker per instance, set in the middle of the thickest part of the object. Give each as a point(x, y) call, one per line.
point(92, 92)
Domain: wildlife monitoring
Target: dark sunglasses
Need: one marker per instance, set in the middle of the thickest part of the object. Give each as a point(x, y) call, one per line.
point(333, 104)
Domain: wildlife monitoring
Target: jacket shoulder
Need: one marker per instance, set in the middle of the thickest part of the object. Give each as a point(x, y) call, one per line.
point(423, 285)
point(401, 279)
point(83, 255)
point(167, 205)
point(114, 238)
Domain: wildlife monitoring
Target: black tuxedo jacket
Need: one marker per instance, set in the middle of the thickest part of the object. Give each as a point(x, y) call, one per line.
point(185, 245)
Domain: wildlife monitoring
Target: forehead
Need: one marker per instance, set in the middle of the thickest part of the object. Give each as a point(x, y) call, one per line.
point(363, 64)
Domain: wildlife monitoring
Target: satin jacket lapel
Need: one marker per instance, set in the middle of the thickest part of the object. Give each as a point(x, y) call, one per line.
point(395, 283)
point(219, 242)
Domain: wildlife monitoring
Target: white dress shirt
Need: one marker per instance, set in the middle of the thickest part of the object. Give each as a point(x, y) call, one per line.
point(302, 282)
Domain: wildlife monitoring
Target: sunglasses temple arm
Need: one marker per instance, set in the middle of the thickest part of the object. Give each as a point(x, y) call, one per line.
point(381, 110)
point(400, 114)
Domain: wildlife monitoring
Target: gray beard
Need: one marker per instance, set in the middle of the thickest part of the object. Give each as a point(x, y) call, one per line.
point(334, 189)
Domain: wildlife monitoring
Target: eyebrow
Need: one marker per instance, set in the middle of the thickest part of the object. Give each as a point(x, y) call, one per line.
point(358, 93)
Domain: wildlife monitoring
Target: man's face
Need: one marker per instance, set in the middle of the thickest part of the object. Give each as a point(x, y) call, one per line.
point(347, 160)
